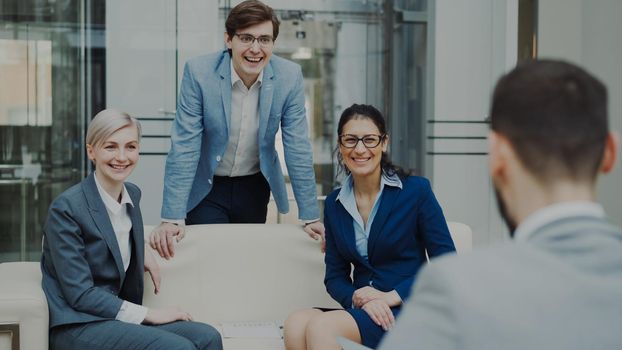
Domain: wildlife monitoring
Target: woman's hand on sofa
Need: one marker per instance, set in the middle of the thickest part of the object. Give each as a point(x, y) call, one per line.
point(151, 266)
point(164, 237)
point(166, 315)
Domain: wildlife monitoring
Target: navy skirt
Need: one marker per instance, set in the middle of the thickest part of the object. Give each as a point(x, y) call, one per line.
point(370, 332)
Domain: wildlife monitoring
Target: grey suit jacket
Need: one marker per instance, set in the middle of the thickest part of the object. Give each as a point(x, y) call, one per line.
point(559, 289)
point(83, 275)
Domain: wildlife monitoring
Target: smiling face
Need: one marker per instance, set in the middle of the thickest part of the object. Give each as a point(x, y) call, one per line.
point(362, 160)
point(250, 59)
point(115, 157)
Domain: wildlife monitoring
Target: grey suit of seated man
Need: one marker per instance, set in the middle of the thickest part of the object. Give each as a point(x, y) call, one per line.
point(558, 283)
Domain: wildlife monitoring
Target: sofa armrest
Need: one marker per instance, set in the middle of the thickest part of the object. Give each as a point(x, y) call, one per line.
point(23, 307)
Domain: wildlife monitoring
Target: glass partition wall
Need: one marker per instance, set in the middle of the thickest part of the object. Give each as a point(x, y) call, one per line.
point(42, 115)
point(63, 61)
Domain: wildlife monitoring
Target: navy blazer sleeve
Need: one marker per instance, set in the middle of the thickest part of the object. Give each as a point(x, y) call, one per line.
point(68, 255)
point(337, 279)
point(432, 228)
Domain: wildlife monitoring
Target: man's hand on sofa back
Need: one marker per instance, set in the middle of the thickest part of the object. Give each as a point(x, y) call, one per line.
point(164, 237)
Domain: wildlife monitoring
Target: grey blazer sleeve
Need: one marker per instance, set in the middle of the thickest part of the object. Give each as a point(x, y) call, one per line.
point(298, 151)
point(68, 255)
point(427, 320)
point(183, 157)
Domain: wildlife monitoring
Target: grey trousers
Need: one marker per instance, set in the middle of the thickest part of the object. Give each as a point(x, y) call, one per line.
point(108, 335)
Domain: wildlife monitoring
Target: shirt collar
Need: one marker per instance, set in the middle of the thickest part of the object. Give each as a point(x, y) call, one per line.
point(111, 204)
point(347, 190)
point(555, 212)
point(235, 77)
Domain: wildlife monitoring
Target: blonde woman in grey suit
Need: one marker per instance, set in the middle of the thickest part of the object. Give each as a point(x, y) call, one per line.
point(94, 257)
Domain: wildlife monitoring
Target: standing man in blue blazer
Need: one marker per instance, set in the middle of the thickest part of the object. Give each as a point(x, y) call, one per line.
point(223, 163)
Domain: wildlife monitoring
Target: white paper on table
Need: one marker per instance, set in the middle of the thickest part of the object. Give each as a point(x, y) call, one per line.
point(251, 329)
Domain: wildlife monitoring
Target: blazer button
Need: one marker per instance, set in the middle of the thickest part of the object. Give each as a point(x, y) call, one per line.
point(209, 181)
point(218, 159)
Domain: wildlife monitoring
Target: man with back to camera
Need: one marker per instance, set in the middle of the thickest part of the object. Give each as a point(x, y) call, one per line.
point(558, 284)
point(223, 163)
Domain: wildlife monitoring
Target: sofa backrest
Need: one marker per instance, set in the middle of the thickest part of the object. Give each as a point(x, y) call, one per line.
point(242, 272)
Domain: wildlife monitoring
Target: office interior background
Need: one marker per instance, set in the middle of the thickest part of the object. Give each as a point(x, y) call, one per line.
point(428, 65)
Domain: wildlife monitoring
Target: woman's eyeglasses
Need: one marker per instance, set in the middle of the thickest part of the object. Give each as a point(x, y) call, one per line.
point(369, 141)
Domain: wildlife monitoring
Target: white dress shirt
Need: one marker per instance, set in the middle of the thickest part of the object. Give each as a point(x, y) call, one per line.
point(122, 225)
point(242, 153)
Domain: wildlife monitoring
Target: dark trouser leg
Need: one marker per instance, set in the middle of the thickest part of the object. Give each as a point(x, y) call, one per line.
point(215, 207)
point(241, 200)
point(250, 199)
point(106, 335)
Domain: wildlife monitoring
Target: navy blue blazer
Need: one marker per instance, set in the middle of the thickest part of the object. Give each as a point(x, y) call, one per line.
point(409, 221)
point(83, 275)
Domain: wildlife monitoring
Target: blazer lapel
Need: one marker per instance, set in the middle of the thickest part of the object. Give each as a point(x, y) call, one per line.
point(388, 200)
point(347, 233)
point(137, 232)
point(138, 240)
point(265, 99)
point(98, 212)
point(225, 88)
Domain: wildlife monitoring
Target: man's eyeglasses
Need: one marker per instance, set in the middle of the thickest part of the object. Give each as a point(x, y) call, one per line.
point(369, 141)
point(263, 40)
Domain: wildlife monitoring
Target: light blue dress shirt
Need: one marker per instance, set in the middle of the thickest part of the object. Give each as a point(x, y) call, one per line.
point(347, 199)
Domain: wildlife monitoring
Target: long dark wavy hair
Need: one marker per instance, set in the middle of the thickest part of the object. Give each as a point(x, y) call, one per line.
point(360, 111)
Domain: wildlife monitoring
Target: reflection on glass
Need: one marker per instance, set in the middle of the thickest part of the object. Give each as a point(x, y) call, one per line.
point(26, 101)
point(40, 117)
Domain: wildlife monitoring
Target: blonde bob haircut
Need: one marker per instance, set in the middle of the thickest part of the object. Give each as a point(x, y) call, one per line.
point(106, 123)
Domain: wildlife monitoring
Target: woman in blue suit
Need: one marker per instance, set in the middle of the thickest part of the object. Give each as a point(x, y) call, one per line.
point(94, 257)
point(382, 222)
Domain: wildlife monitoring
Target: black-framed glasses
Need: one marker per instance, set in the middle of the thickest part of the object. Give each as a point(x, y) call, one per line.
point(263, 40)
point(369, 141)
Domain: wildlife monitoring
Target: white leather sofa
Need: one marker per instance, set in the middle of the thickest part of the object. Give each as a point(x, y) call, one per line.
point(220, 273)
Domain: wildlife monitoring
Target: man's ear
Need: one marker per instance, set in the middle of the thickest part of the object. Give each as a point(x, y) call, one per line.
point(496, 154)
point(227, 40)
point(610, 153)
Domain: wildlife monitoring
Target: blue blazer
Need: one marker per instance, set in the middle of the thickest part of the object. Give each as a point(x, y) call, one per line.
point(201, 131)
point(83, 275)
point(409, 221)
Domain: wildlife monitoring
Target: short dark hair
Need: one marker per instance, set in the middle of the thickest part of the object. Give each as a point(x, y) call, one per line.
point(360, 111)
point(555, 116)
point(249, 13)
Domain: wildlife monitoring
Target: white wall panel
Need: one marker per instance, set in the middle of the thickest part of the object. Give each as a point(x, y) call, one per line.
point(588, 33)
point(475, 43)
point(147, 45)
